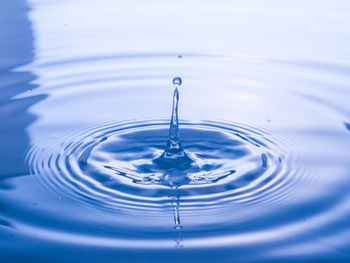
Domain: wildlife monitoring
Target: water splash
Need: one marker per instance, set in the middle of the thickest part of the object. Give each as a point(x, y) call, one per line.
point(174, 145)
point(174, 155)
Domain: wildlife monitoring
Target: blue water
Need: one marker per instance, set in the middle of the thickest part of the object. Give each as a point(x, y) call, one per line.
point(159, 131)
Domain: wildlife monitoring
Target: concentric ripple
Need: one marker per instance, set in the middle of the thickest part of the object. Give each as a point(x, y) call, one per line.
point(113, 165)
point(269, 160)
point(264, 115)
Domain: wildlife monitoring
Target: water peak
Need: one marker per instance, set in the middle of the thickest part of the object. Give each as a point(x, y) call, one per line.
point(174, 155)
point(173, 144)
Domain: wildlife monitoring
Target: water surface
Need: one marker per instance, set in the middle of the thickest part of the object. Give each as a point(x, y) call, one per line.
point(263, 120)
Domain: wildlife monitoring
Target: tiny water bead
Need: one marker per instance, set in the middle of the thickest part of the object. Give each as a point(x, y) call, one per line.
point(177, 81)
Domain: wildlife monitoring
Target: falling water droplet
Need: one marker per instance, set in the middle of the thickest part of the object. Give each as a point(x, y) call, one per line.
point(177, 82)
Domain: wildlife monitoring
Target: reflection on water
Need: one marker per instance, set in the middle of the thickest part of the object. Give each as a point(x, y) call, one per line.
point(260, 175)
point(16, 48)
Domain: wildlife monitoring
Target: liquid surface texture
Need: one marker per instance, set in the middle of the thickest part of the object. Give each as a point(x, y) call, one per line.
point(152, 131)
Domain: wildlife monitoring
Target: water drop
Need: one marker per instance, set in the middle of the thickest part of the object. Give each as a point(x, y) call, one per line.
point(177, 82)
point(179, 56)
